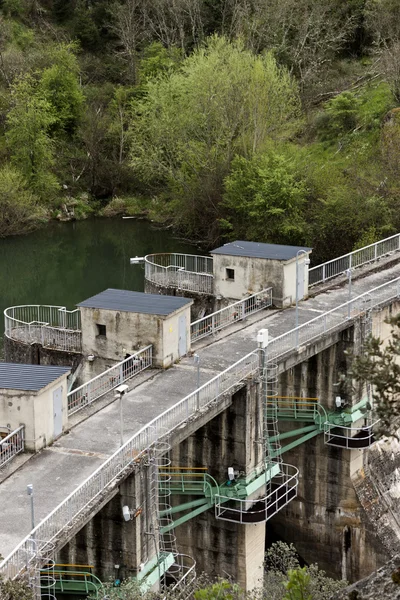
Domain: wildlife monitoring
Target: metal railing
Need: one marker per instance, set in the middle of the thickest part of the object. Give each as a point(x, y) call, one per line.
point(190, 481)
point(352, 260)
point(185, 584)
point(51, 326)
point(78, 505)
point(11, 445)
point(349, 437)
point(90, 391)
point(230, 314)
point(297, 408)
point(284, 489)
point(333, 319)
point(187, 272)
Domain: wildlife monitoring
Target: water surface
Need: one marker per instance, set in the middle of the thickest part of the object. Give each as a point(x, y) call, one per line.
point(65, 263)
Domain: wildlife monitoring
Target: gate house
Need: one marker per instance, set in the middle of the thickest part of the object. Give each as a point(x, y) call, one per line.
point(242, 268)
point(117, 323)
point(34, 396)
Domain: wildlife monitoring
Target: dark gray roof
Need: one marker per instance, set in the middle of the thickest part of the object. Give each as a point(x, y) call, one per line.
point(14, 376)
point(136, 302)
point(256, 250)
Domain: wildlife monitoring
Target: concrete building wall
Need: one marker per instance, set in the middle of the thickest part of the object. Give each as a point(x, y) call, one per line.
point(108, 540)
point(35, 354)
point(128, 332)
point(326, 522)
point(252, 275)
point(35, 411)
point(231, 439)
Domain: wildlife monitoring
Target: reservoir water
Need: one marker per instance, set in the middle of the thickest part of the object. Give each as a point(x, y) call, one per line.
point(65, 263)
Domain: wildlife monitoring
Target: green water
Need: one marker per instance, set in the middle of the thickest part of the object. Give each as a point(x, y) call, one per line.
point(65, 263)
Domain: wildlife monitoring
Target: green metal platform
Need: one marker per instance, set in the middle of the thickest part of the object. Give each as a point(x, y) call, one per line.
point(71, 580)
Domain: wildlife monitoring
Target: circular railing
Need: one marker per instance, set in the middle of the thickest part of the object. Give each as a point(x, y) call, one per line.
point(186, 272)
point(51, 326)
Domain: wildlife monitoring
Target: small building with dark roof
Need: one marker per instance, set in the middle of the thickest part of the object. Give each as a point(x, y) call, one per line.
point(118, 323)
point(34, 396)
point(243, 268)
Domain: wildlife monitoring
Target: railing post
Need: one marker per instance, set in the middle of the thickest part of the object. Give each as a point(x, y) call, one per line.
point(323, 272)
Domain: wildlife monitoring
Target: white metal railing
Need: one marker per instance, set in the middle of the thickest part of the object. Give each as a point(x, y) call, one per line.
point(188, 272)
point(11, 445)
point(90, 391)
point(185, 584)
point(283, 490)
point(360, 257)
point(349, 437)
point(76, 507)
point(332, 319)
point(230, 314)
point(79, 503)
point(51, 326)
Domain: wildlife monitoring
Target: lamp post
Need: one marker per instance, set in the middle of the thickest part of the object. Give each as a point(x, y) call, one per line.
point(29, 490)
point(121, 390)
point(196, 359)
point(306, 262)
point(348, 275)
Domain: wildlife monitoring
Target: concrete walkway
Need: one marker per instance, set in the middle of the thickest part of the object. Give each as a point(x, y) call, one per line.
point(58, 470)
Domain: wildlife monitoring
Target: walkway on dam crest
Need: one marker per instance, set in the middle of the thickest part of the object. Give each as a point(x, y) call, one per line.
point(59, 469)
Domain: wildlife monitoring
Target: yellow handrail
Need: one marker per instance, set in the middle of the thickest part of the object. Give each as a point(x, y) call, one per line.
point(185, 468)
point(73, 565)
point(294, 398)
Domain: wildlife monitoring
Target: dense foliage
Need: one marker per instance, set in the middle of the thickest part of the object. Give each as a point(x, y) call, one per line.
point(379, 366)
point(15, 590)
point(284, 579)
point(274, 120)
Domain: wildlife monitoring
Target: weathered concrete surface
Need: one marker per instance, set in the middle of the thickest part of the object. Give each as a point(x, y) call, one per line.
point(383, 584)
point(378, 488)
point(108, 540)
point(58, 470)
point(232, 439)
point(35, 354)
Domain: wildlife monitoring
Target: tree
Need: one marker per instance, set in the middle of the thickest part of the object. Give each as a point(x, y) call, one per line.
point(28, 138)
point(15, 590)
point(379, 366)
point(305, 36)
point(265, 199)
point(19, 209)
point(297, 585)
point(284, 579)
point(59, 86)
point(382, 17)
point(223, 101)
point(129, 24)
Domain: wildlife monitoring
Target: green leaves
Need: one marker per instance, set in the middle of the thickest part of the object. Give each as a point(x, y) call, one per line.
point(223, 101)
point(297, 585)
point(265, 199)
point(380, 367)
point(28, 139)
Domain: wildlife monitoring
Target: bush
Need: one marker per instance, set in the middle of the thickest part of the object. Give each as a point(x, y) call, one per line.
point(19, 208)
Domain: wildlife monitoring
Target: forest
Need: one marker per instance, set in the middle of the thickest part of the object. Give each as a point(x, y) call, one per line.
point(268, 120)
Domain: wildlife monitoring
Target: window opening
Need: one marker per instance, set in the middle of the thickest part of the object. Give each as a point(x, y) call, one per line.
point(230, 274)
point(101, 330)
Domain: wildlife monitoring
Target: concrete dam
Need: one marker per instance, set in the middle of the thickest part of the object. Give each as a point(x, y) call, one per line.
point(251, 431)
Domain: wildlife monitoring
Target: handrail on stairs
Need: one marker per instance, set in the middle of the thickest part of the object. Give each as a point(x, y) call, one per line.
point(297, 407)
point(195, 476)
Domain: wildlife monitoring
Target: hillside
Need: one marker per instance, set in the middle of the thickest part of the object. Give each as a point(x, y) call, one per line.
point(271, 120)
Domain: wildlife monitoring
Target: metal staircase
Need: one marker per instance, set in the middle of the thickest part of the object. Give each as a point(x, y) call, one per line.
point(171, 568)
